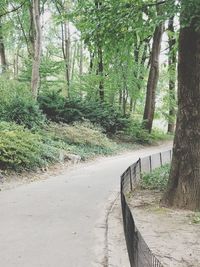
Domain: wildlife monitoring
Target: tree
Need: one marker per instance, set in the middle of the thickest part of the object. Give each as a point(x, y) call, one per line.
point(172, 75)
point(63, 8)
point(2, 49)
point(35, 77)
point(153, 78)
point(184, 182)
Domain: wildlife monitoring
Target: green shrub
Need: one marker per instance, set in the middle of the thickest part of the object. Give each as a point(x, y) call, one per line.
point(137, 133)
point(24, 112)
point(83, 139)
point(196, 218)
point(157, 179)
point(59, 109)
point(84, 133)
point(21, 149)
point(17, 105)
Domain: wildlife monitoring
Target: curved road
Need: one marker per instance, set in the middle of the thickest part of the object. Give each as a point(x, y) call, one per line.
point(60, 222)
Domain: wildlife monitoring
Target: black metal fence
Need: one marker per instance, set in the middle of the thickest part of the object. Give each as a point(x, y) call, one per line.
point(139, 253)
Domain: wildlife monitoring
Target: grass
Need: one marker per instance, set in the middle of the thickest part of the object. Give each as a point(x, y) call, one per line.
point(196, 218)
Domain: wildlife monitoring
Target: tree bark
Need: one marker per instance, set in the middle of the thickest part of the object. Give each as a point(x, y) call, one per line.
point(2, 50)
point(67, 43)
point(81, 58)
point(73, 61)
point(62, 7)
point(100, 70)
point(172, 75)
point(184, 182)
point(153, 79)
point(35, 78)
point(92, 55)
point(100, 73)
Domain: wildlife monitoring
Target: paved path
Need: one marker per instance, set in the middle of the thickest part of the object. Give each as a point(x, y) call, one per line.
point(60, 222)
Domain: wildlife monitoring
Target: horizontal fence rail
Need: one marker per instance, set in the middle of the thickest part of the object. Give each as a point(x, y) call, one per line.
point(139, 253)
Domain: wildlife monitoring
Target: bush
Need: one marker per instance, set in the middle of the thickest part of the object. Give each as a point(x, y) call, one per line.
point(24, 112)
point(138, 134)
point(59, 109)
point(17, 105)
point(79, 133)
point(83, 138)
point(21, 149)
point(157, 179)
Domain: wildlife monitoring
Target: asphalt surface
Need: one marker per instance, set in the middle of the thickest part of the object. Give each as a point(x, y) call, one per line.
point(60, 222)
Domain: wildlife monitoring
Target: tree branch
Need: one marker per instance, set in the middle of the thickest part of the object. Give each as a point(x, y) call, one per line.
point(12, 10)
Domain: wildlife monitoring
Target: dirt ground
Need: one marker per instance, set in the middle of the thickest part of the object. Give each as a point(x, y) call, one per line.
point(172, 235)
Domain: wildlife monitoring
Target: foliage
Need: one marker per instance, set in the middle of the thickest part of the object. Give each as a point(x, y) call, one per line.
point(136, 133)
point(157, 179)
point(22, 149)
point(196, 218)
point(60, 109)
point(77, 36)
point(83, 139)
point(17, 105)
point(79, 133)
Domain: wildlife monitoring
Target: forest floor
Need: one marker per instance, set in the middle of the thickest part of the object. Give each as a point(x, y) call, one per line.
point(172, 235)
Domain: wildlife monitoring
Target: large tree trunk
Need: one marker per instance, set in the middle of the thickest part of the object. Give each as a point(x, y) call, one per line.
point(184, 181)
point(172, 75)
point(35, 79)
point(2, 50)
point(153, 79)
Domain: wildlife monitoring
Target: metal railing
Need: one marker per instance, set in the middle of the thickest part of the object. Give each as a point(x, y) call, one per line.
point(139, 253)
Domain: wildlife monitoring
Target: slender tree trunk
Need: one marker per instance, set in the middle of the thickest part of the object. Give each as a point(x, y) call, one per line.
point(73, 61)
point(81, 66)
point(120, 99)
point(67, 42)
point(81, 59)
point(16, 64)
point(35, 79)
point(100, 73)
point(172, 76)
point(124, 91)
point(153, 79)
point(31, 34)
point(124, 99)
point(91, 62)
point(2, 50)
point(131, 104)
point(184, 181)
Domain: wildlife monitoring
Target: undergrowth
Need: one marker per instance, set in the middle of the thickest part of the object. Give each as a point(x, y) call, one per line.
point(157, 179)
point(21, 148)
